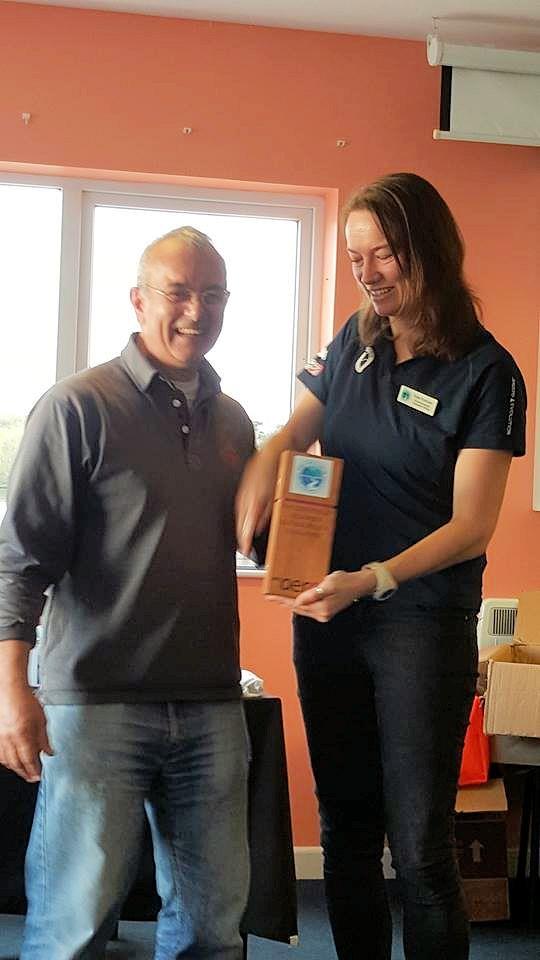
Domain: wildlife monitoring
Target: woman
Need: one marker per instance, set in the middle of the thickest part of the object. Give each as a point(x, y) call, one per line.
point(426, 409)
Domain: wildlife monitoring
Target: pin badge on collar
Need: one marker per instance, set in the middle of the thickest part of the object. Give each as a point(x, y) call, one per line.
point(364, 360)
point(315, 366)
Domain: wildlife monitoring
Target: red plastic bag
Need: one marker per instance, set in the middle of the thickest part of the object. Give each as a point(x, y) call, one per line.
point(476, 752)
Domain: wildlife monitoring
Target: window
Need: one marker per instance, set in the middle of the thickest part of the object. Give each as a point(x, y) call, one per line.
point(255, 354)
point(30, 232)
point(271, 245)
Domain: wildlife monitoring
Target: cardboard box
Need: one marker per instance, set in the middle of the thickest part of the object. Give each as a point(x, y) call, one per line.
point(513, 676)
point(487, 899)
point(481, 849)
point(303, 523)
point(519, 750)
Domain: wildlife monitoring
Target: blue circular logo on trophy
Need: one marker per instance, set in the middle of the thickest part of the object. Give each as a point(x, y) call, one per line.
point(311, 476)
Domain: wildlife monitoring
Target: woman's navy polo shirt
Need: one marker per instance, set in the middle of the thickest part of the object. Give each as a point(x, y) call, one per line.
point(399, 460)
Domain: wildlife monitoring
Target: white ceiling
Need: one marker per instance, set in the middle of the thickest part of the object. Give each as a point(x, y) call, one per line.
point(505, 23)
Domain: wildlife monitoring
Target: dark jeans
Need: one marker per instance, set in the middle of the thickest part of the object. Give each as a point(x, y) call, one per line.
point(386, 699)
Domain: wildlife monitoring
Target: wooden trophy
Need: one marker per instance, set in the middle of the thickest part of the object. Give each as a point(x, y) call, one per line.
point(303, 523)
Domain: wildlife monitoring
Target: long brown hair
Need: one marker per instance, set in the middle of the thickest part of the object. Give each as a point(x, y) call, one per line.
point(428, 246)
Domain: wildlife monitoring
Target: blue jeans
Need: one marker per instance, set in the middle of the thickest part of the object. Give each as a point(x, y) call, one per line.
point(186, 764)
point(386, 698)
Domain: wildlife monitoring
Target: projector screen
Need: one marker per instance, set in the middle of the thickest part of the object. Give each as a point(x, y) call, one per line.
point(490, 95)
point(497, 104)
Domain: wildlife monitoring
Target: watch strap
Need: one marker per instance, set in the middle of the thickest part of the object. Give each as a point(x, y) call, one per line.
point(386, 584)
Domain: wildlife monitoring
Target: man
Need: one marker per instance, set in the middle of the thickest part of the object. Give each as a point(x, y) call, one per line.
point(121, 508)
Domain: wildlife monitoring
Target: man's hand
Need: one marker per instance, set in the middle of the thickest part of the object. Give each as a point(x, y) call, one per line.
point(254, 499)
point(23, 732)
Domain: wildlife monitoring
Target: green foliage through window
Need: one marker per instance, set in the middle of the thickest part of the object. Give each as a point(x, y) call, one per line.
point(11, 431)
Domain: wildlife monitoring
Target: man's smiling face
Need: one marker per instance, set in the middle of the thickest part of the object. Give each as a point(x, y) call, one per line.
point(179, 304)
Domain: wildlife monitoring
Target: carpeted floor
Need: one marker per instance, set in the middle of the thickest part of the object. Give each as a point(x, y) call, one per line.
point(495, 941)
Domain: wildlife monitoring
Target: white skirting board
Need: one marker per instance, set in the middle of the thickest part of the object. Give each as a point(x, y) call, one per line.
point(308, 863)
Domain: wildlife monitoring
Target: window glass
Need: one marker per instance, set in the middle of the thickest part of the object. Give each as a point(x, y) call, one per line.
point(30, 234)
point(255, 352)
point(66, 309)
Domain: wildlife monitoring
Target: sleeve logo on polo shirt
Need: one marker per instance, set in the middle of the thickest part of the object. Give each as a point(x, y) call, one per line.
point(511, 407)
point(316, 365)
point(364, 360)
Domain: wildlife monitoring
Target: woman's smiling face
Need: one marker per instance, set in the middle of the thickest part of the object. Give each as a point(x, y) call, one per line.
point(375, 268)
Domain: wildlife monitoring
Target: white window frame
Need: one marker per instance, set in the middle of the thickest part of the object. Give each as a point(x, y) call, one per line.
point(82, 196)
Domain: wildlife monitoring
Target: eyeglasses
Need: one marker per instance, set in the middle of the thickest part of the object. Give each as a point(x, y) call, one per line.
point(212, 297)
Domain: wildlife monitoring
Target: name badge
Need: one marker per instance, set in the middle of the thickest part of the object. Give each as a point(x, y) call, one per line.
point(416, 400)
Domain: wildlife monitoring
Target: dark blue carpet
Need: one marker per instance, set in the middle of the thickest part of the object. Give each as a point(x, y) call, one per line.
point(491, 941)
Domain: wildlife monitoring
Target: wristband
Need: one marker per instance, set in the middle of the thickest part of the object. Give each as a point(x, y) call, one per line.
point(386, 584)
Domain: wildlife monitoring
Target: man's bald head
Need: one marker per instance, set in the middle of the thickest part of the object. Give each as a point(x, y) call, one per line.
point(182, 236)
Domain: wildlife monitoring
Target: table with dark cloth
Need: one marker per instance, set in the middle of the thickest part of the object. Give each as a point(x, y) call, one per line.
point(271, 909)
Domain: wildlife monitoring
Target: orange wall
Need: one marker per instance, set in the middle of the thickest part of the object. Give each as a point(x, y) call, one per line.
point(113, 91)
